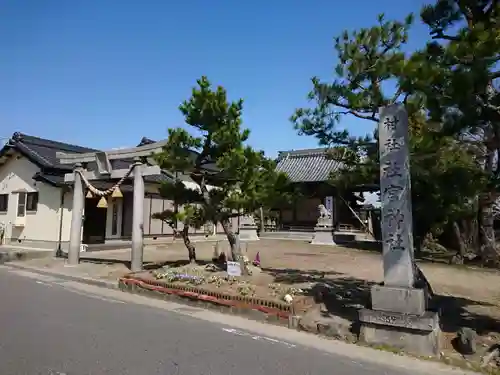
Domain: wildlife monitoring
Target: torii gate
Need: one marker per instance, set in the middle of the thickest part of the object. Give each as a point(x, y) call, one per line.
point(105, 171)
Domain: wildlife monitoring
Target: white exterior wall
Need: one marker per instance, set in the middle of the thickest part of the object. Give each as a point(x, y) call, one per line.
point(154, 225)
point(41, 228)
point(156, 228)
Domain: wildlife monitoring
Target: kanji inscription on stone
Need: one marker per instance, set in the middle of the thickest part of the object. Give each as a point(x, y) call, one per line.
point(395, 196)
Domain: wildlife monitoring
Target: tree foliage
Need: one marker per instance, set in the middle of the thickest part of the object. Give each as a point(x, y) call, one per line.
point(463, 92)
point(373, 71)
point(213, 152)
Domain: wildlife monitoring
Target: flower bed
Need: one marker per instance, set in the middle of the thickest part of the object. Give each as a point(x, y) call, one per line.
point(215, 286)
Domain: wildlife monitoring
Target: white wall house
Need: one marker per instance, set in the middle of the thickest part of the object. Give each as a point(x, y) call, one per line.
point(35, 203)
point(31, 211)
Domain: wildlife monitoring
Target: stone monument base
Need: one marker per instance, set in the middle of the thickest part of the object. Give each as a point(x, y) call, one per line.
point(323, 235)
point(397, 299)
point(411, 333)
point(400, 318)
point(249, 233)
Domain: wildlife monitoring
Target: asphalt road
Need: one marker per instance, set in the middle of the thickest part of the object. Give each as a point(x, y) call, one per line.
point(48, 326)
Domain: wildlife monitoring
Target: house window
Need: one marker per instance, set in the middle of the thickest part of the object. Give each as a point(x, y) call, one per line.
point(4, 202)
point(21, 204)
point(32, 201)
point(27, 202)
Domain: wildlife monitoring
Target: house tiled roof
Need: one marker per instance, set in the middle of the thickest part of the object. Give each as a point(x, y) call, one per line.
point(310, 165)
point(42, 152)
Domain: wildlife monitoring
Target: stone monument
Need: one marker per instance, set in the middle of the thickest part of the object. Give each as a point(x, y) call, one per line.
point(323, 231)
point(399, 314)
point(248, 228)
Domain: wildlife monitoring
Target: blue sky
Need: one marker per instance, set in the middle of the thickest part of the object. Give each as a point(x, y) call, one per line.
point(105, 73)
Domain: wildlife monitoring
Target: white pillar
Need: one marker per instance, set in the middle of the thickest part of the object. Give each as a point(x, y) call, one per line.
point(137, 221)
point(75, 239)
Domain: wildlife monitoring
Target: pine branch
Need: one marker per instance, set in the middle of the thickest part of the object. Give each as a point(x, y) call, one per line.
point(438, 34)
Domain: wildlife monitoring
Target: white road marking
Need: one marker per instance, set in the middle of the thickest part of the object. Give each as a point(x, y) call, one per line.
point(257, 338)
point(234, 331)
point(43, 283)
point(33, 275)
point(52, 281)
point(90, 295)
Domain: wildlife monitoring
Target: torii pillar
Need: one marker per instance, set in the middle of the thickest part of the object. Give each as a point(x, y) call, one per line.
point(105, 171)
point(75, 237)
point(137, 255)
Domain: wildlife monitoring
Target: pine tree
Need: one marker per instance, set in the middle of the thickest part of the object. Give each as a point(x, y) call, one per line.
point(214, 153)
point(371, 61)
point(458, 74)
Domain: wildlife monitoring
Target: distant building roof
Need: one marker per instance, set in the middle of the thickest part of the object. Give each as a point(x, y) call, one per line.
point(145, 141)
point(310, 165)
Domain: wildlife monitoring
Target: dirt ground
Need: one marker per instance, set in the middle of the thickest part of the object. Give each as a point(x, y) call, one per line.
point(470, 297)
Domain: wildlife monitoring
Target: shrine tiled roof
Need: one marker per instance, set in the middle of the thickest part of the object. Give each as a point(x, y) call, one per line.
point(310, 165)
point(42, 152)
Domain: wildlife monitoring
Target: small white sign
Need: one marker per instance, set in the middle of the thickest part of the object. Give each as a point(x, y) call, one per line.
point(233, 269)
point(329, 204)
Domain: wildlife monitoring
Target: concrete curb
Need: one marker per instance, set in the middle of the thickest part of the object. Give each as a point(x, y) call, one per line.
point(80, 279)
point(20, 255)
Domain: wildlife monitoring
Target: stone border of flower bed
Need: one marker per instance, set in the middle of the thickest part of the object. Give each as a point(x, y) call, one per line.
point(257, 308)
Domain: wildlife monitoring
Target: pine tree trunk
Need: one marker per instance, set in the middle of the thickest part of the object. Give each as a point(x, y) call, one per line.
point(471, 233)
point(234, 244)
point(187, 242)
point(462, 247)
point(489, 251)
point(417, 245)
point(489, 254)
point(226, 225)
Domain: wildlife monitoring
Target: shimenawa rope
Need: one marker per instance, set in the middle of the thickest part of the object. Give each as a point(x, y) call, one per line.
point(103, 193)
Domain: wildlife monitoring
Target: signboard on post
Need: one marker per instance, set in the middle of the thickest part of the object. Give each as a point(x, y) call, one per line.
point(233, 269)
point(329, 204)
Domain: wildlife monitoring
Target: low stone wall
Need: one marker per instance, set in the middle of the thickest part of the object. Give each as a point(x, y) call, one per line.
point(255, 308)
